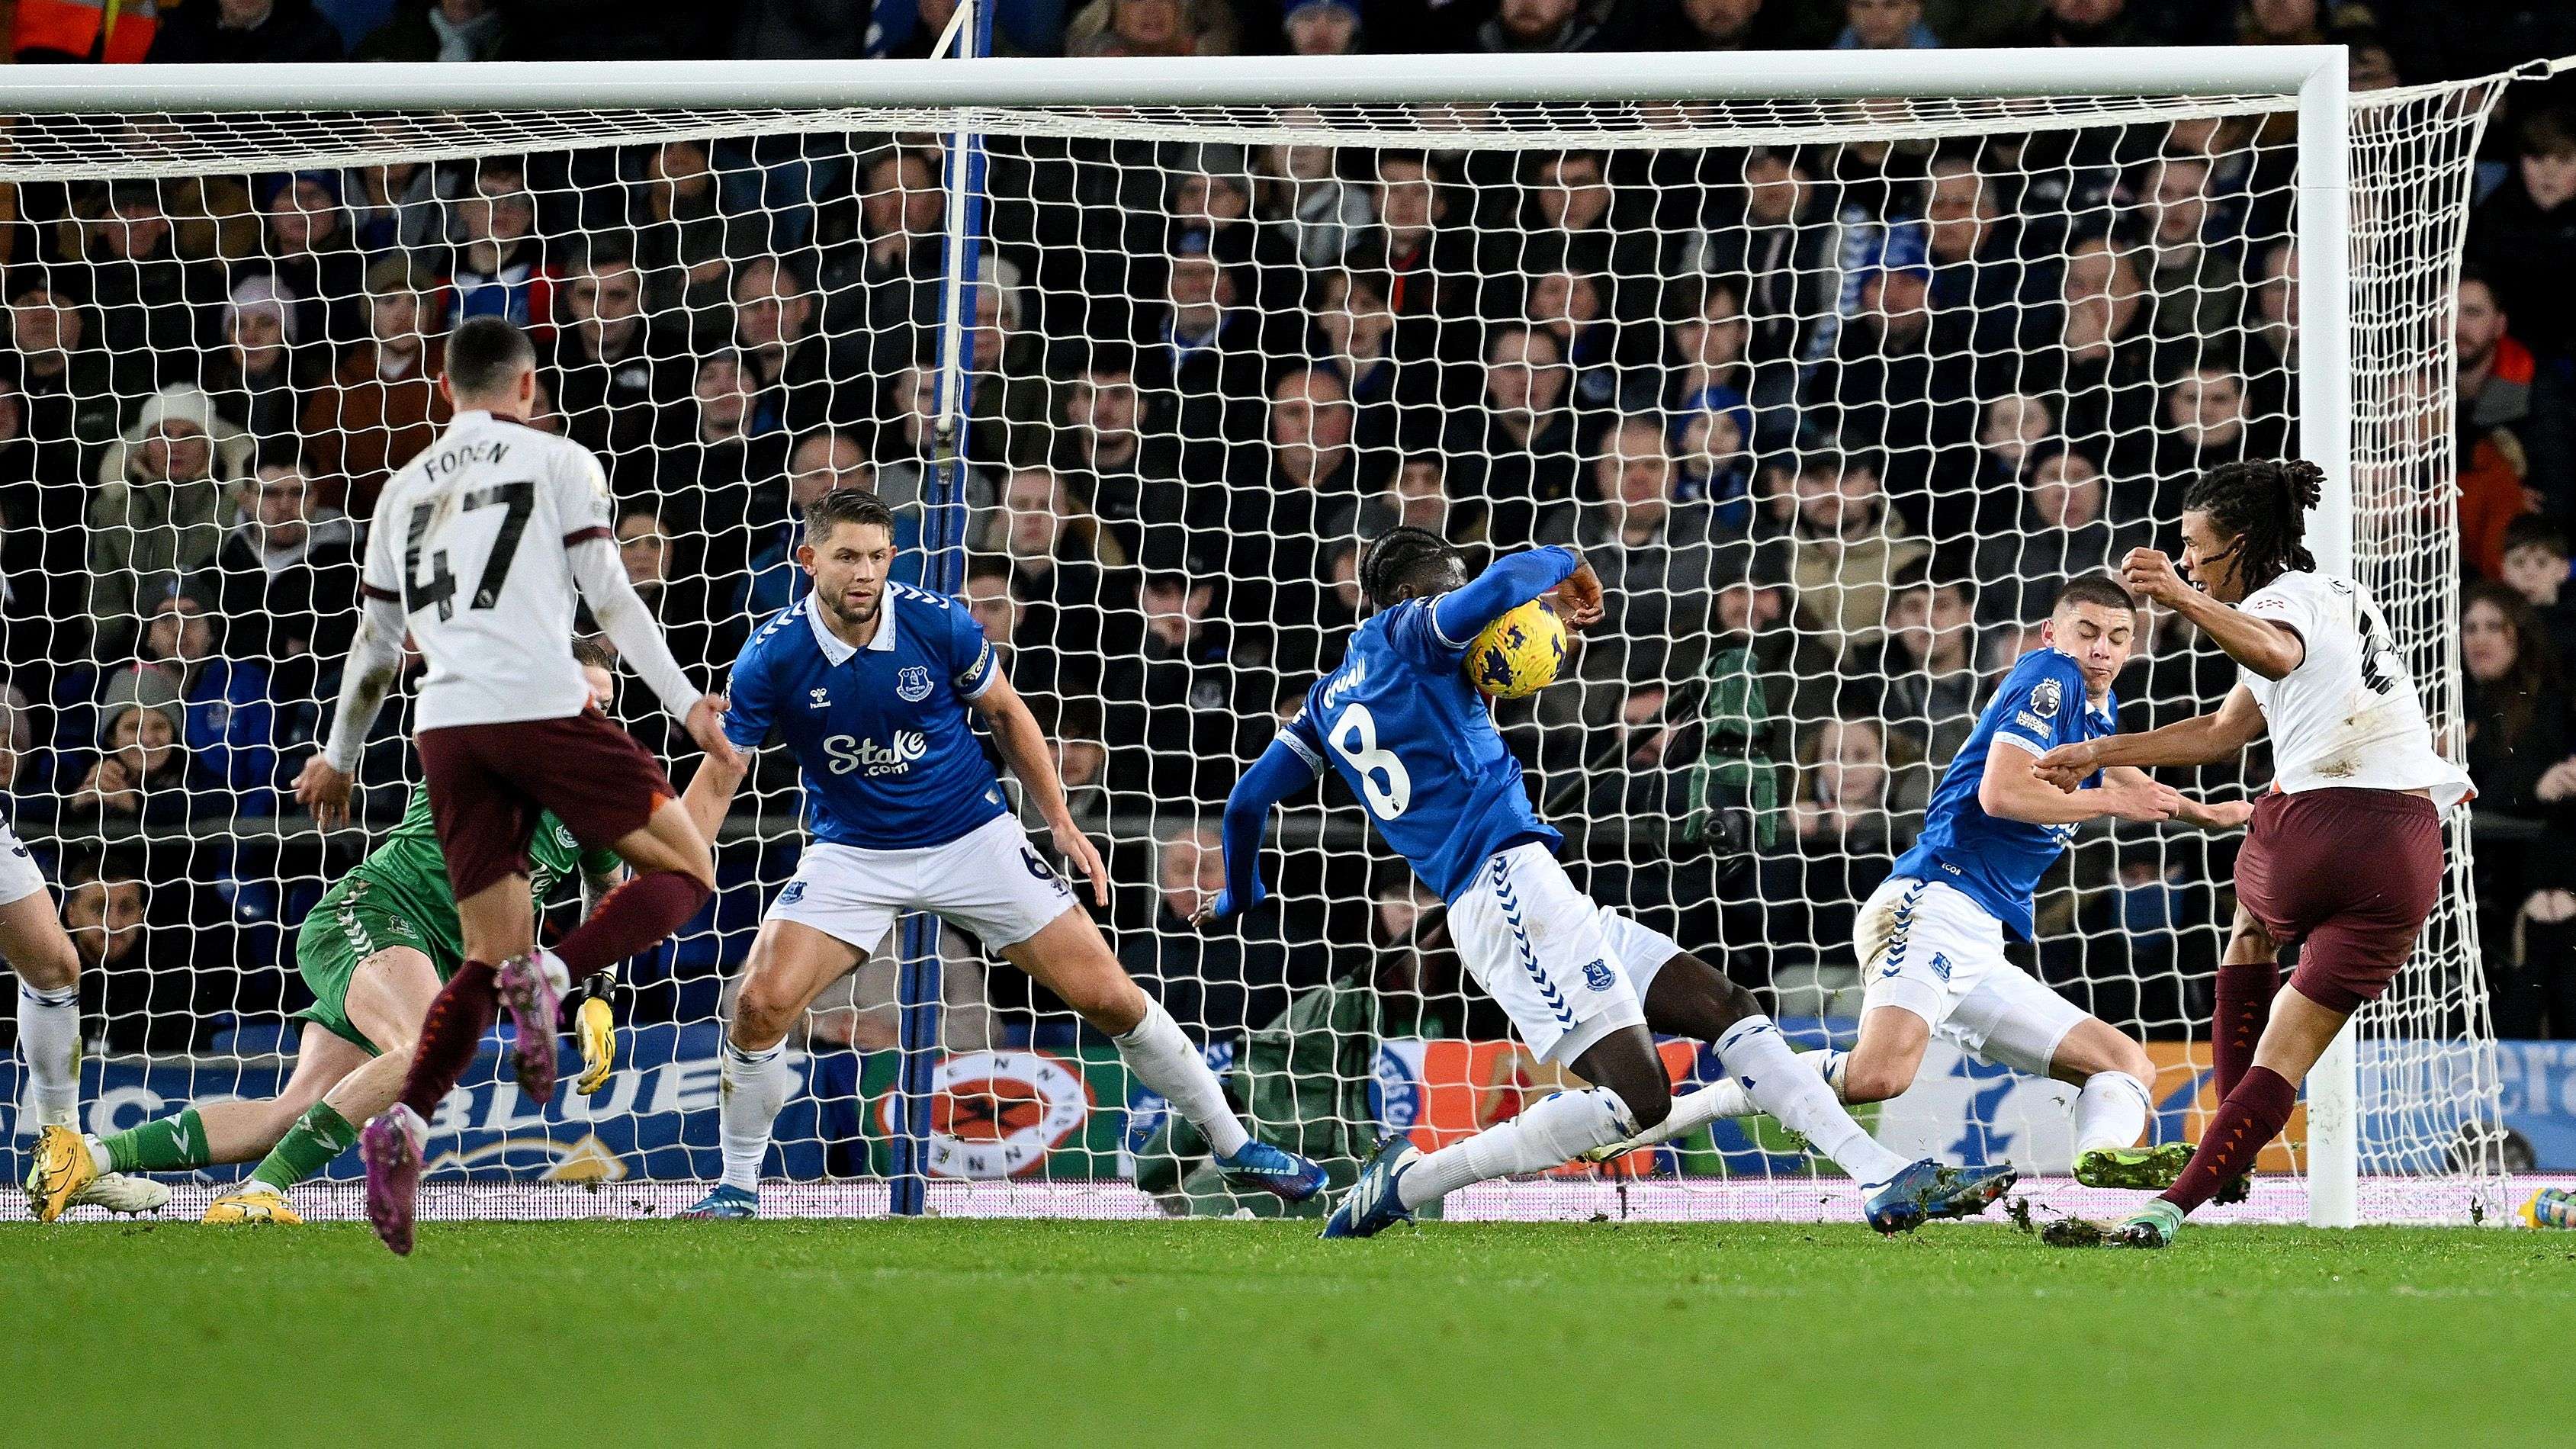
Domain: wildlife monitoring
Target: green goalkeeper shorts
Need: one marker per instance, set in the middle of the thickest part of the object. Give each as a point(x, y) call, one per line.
point(345, 928)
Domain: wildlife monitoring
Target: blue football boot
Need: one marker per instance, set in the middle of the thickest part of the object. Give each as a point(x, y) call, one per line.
point(1258, 1166)
point(1372, 1205)
point(1927, 1190)
point(727, 1201)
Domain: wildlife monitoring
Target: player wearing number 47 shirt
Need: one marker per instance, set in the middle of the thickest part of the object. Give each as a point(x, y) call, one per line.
point(2345, 854)
point(869, 685)
point(1583, 983)
point(482, 547)
point(1930, 941)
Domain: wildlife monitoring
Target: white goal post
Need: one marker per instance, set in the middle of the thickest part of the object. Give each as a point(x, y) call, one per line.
point(2377, 220)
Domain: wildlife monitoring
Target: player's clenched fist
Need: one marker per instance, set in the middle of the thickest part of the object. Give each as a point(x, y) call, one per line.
point(324, 793)
point(2149, 573)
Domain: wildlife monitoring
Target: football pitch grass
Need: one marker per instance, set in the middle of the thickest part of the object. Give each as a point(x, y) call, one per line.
point(983, 1332)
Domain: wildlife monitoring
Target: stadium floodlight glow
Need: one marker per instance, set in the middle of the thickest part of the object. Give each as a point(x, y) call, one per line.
point(2331, 317)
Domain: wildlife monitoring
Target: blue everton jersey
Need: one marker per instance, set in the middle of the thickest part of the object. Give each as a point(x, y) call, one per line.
point(1417, 744)
point(890, 760)
point(1998, 863)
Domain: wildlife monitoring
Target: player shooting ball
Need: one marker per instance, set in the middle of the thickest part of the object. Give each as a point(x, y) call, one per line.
point(1403, 725)
point(2345, 854)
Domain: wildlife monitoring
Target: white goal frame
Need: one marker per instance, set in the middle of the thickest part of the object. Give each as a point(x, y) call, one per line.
point(2314, 75)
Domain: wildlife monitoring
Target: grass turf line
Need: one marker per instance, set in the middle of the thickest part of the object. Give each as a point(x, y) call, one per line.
point(966, 1332)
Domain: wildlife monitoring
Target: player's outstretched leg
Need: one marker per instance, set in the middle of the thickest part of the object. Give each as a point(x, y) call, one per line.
point(2112, 1109)
point(1069, 957)
point(1689, 997)
point(1633, 1094)
point(2249, 1118)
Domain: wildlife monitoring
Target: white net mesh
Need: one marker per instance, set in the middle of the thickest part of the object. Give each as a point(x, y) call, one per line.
point(1834, 394)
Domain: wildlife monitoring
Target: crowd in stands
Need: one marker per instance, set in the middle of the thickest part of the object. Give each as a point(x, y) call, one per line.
point(1832, 421)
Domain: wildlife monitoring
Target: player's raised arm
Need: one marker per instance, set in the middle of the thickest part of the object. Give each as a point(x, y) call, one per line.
point(2208, 739)
point(748, 707)
point(1291, 763)
point(1461, 613)
point(2012, 788)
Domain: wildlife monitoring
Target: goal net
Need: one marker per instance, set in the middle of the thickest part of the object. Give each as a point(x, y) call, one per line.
point(1835, 394)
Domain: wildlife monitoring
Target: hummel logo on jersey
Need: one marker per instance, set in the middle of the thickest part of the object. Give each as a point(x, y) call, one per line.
point(817, 697)
point(849, 753)
point(1598, 976)
point(912, 684)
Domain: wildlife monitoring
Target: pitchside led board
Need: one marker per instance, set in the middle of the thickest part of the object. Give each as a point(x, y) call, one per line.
point(1073, 1114)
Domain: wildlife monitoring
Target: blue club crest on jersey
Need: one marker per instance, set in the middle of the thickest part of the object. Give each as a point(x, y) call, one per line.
point(1597, 975)
point(912, 684)
point(795, 892)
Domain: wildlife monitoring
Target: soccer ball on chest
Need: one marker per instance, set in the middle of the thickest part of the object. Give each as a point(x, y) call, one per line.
point(1519, 653)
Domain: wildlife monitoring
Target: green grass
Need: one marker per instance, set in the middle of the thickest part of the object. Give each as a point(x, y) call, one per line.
point(974, 1333)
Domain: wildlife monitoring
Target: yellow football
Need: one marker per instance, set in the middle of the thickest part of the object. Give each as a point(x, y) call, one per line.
point(1518, 653)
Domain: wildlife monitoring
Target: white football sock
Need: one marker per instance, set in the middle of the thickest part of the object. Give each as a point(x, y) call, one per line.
point(2111, 1111)
point(1754, 1053)
point(49, 1040)
point(1554, 1132)
point(755, 1087)
point(1726, 1097)
point(1163, 1059)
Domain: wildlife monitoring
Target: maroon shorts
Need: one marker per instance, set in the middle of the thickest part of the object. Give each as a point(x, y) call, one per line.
point(2349, 877)
point(488, 782)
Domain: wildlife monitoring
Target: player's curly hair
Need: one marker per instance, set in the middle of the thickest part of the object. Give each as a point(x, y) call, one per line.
point(1399, 556)
point(2264, 506)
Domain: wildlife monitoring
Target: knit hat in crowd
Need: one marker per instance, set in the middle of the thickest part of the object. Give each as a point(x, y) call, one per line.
point(261, 291)
point(139, 686)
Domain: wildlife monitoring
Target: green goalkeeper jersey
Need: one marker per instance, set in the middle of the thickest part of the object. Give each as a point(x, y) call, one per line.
point(407, 872)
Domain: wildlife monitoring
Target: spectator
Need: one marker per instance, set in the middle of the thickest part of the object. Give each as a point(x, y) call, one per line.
point(1769, 244)
point(684, 241)
point(2517, 700)
point(1882, 388)
point(1567, 305)
point(2105, 359)
point(500, 267)
point(907, 452)
point(1321, 27)
point(890, 272)
point(2196, 285)
point(1572, 220)
point(1516, 451)
point(287, 577)
point(1412, 497)
point(2087, 22)
point(454, 31)
point(1539, 27)
point(1198, 365)
point(255, 382)
point(2536, 566)
point(775, 330)
point(1705, 362)
point(137, 983)
point(2503, 389)
point(1657, 563)
point(67, 388)
point(1060, 560)
point(1151, 27)
point(1885, 25)
point(1720, 25)
point(669, 585)
point(393, 206)
point(1278, 527)
point(142, 773)
point(1191, 695)
point(1847, 548)
point(160, 505)
point(1321, 218)
point(1425, 259)
point(1849, 816)
point(2208, 420)
point(43, 573)
point(707, 477)
point(308, 250)
point(244, 32)
point(1713, 452)
point(2063, 531)
point(1006, 365)
point(1355, 337)
point(2016, 431)
point(227, 717)
point(1099, 452)
point(2523, 237)
point(1989, 296)
point(156, 308)
point(610, 373)
point(824, 461)
point(1926, 679)
point(382, 406)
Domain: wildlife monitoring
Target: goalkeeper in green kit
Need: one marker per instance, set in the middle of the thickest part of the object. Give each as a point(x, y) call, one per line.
point(374, 951)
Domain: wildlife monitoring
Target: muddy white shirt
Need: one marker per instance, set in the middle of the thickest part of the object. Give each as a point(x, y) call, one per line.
point(487, 543)
point(2348, 717)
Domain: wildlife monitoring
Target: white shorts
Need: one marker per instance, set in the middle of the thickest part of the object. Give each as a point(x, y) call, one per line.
point(19, 877)
point(1569, 972)
point(989, 881)
point(1925, 947)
